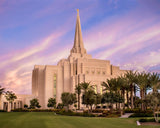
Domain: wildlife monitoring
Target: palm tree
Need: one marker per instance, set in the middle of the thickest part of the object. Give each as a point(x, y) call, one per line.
point(143, 83)
point(121, 81)
point(10, 96)
point(89, 98)
point(1, 90)
point(85, 86)
point(131, 80)
point(109, 85)
point(78, 91)
point(113, 86)
point(98, 99)
point(154, 80)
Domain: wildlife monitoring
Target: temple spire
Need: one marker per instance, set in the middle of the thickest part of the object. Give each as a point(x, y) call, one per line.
point(78, 46)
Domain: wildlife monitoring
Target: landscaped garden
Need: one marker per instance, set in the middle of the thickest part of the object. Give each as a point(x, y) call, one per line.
point(50, 120)
point(101, 110)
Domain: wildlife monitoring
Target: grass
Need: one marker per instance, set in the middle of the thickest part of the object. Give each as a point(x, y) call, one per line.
point(49, 120)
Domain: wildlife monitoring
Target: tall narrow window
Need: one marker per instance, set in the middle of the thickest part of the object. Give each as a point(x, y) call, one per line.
point(95, 89)
point(101, 89)
point(54, 86)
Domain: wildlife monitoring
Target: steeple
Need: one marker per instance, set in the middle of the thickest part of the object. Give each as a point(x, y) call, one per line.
point(78, 46)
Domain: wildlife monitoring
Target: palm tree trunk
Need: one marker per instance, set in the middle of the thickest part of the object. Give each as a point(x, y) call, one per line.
point(127, 100)
point(123, 98)
point(132, 89)
point(142, 98)
point(78, 102)
point(91, 108)
point(111, 109)
point(116, 106)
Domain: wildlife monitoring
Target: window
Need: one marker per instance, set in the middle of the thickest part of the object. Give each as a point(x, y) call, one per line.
point(87, 72)
point(101, 89)
point(95, 89)
point(54, 86)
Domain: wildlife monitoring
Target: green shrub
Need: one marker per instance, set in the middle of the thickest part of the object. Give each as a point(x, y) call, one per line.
point(147, 120)
point(3, 111)
point(25, 106)
point(97, 111)
point(60, 106)
point(70, 113)
point(137, 110)
point(141, 115)
point(36, 110)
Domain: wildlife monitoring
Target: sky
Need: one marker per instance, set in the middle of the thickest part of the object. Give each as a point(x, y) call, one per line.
point(41, 32)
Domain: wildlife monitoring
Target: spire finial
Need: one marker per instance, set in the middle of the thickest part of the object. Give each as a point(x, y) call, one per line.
point(78, 11)
point(78, 46)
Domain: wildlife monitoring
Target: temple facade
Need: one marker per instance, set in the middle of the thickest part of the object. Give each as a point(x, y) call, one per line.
point(52, 80)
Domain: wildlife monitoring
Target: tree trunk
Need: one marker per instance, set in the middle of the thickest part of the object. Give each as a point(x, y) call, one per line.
point(111, 107)
point(142, 98)
point(132, 89)
point(127, 100)
point(91, 108)
point(88, 108)
point(78, 102)
point(119, 106)
point(116, 105)
point(124, 99)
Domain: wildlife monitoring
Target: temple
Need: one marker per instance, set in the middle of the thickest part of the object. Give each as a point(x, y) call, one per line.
point(50, 81)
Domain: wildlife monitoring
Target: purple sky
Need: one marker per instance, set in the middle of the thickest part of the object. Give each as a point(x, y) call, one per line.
point(34, 32)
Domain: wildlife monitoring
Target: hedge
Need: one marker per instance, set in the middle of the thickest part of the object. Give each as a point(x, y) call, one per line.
point(147, 120)
point(3, 111)
point(36, 110)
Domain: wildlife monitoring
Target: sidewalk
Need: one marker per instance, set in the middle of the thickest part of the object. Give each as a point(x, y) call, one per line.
point(126, 115)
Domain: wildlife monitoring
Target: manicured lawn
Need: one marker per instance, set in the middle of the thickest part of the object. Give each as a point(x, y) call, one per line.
point(49, 120)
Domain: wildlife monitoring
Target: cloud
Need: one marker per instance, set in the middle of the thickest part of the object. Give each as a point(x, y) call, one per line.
point(129, 40)
point(16, 68)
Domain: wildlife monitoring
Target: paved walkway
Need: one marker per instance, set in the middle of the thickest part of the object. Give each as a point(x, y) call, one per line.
point(126, 115)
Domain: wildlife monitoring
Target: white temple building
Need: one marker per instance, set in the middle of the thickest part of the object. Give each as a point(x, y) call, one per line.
point(52, 80)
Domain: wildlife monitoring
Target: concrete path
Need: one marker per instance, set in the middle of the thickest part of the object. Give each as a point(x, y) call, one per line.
point(126, 115)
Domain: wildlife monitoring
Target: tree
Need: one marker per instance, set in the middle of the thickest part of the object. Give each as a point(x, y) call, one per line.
point(78, 91)
point(109, 97)
point(113, 85)
point(123, 88)
point(143, 83)
point(131, 80)
point(154, 81)
point(153, 100)
point(89, 98)
point(85, 86)
point(10, 97)
point(68, 99)
point(98, 99)
point(109, 85)
point(60, 106)
point(25, 106)
point(51, 102)
point(1, 90)
point(34, 103)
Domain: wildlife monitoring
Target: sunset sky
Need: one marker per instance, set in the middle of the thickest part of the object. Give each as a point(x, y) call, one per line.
point(41, 32)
